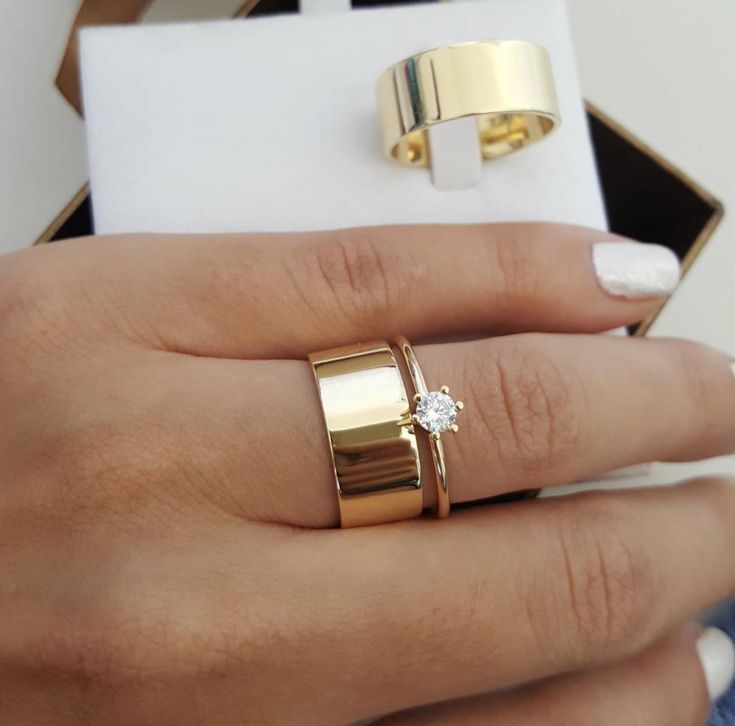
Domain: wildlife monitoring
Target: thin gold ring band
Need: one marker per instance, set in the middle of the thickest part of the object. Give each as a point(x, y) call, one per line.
point(372, 440)
point(507, 85)
point(421, 391)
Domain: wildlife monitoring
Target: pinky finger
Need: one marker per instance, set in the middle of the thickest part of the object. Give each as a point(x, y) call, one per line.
point(673, 682)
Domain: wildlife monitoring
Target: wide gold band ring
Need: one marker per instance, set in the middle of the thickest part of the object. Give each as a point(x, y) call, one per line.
point(373, 444)
point(506, 84)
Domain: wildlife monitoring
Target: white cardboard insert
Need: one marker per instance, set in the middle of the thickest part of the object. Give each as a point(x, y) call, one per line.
point(270, 124)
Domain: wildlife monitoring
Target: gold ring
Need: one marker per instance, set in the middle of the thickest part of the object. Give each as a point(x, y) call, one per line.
point(372, 440)
point(507, 84)
point(436, 412)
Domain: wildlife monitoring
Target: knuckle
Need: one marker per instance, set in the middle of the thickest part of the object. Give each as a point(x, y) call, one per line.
point(689, 358)
point(133, 643)
point(715, 494)
point(96, 454)
point(532, 410)
point(695, 363)
point(517, 260)
point(21, 295)
point(83, 650)
point(602, 585)
point(35, 306)
point(114, 652)
point(356, 274)
point(120, 471)
point(142, 634)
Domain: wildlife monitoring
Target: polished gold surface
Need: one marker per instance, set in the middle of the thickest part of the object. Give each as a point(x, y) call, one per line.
point(507, 84)
point(443, 504)
point(373, 443)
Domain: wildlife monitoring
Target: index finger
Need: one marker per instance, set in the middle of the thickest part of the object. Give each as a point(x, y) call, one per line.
point(285, 295)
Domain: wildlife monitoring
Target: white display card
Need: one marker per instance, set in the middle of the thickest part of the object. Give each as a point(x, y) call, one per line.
point(270, 123)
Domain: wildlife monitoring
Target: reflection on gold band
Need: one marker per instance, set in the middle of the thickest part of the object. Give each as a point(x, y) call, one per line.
point(507, 84)
point(373, 444)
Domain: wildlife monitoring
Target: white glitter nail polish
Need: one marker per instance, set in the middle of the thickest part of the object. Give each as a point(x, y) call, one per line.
point(717, 654)
point(634, 269)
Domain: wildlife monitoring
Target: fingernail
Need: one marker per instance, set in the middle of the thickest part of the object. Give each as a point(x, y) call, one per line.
point(634, 269)
point(732, 367)
point(717, 654)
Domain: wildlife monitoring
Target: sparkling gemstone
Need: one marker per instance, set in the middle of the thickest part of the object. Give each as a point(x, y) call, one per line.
point(436, 412)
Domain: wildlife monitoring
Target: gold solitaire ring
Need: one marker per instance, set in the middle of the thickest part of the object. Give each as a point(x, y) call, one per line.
point(436, 412)
point(506, 84)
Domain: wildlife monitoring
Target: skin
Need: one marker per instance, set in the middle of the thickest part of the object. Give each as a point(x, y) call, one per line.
point(168, 547)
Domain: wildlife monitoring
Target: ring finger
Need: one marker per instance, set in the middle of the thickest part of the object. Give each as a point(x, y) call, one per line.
point(541, 410)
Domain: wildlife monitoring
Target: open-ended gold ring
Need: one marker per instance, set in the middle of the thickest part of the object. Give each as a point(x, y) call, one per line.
point(372, 439)
point(506, 84)
point(436, 412)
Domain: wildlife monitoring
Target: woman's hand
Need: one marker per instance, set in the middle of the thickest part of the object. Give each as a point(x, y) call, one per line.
point(166, 479)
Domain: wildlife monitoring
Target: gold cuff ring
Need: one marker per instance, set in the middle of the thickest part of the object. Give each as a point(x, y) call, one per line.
point(506, 84)
point(372, 441)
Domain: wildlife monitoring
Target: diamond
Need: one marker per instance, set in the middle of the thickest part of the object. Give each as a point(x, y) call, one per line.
point(436, 412)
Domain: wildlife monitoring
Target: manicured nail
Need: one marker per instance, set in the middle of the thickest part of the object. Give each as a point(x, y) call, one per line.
point(717, 654)
point(732, 367)
point(634, 269)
